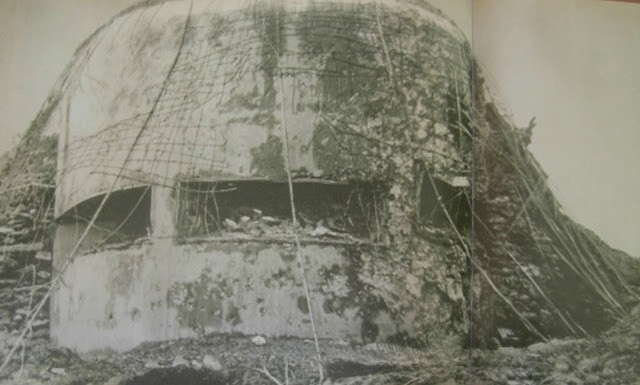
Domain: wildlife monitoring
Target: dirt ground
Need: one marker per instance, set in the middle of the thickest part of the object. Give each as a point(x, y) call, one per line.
point(612, 358)
point(230, 359)
point(237, 359)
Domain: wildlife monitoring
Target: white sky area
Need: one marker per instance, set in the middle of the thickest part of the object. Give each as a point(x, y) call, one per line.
point(573, 64)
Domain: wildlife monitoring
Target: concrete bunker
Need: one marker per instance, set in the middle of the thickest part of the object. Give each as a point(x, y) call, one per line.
point(189, 161)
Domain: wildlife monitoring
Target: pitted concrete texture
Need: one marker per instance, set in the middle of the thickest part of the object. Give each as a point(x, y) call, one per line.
point(120, 298)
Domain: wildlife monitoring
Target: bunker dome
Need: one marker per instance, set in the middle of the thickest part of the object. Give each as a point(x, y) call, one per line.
point(217, 158)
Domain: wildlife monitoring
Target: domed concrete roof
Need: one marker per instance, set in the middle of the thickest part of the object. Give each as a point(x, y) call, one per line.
point(175, 90)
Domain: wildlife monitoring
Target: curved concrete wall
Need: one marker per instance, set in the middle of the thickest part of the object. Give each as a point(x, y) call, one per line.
point(166, 91)
point(121, 298)
point(166, 288)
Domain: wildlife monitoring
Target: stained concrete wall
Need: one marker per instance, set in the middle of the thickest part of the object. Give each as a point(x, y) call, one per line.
point(168, 287)
point(120, 298)
point(207, 92)
point(204, 91)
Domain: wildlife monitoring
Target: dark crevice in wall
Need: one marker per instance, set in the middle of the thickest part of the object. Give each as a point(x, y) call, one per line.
point(454, 199)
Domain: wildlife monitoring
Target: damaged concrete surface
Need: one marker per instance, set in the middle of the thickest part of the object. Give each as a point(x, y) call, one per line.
point(243, 287)
point(215, 92)
point(220, 81)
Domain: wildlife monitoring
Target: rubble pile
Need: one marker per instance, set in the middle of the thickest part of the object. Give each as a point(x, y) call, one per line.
point(23, 284)
point(25, 265)
point(259, 226)
point(238, 359)
point(26, 222)
point(347, 215)
point(25, 275)
point(610, 359)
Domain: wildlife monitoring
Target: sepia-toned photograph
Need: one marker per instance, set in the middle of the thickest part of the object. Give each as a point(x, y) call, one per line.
point(333, 192)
